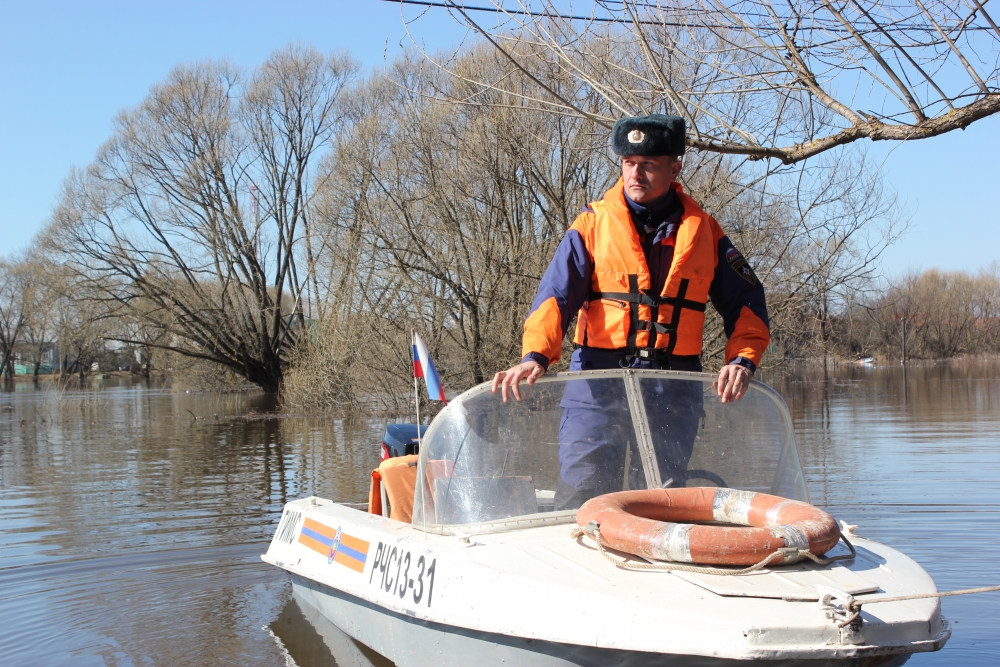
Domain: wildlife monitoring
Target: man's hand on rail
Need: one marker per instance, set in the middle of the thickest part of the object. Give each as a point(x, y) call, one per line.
point(733, 382)
point(511, 378)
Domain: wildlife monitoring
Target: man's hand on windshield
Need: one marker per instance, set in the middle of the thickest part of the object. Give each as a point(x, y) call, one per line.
point(733, 382)
point(510, 379)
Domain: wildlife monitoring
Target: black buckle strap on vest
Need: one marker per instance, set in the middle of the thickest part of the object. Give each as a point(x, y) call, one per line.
point(675, 317)
point(644, 299)
point(655, 327)
point(634, 298)
point(679, 301)
point(633, 309)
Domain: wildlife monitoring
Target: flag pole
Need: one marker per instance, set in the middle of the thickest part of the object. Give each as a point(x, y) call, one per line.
point(416, 385)
point(416, 402)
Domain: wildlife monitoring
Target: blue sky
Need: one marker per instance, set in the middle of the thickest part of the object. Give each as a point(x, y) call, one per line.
point(66, 69)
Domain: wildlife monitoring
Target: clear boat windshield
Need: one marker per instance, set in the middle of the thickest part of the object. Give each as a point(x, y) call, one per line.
point(490, 466)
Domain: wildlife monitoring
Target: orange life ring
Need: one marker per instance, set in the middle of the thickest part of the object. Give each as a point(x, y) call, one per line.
point(656, 524)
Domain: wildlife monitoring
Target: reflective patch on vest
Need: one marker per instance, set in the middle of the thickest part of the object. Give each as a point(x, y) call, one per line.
point(743, 270)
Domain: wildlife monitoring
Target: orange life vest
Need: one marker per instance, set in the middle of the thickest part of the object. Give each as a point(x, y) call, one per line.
point(621, 312)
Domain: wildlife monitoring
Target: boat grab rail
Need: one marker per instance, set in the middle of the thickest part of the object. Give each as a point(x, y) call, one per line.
point(556, 518)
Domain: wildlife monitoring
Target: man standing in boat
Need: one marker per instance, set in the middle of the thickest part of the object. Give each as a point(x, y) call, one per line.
point(639, 266)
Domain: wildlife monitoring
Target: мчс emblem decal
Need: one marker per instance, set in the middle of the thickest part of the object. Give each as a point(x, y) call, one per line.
point(743, 270)
point(336, 545)
point(740, 266)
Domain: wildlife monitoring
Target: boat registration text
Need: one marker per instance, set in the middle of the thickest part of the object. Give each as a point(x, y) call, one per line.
point(403, 574)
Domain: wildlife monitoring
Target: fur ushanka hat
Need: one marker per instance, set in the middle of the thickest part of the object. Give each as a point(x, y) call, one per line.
point(655, 134)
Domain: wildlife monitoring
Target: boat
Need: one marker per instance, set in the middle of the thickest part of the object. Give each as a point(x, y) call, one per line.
point(491, 567)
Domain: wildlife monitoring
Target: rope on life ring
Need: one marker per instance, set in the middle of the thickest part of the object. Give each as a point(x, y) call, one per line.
point(593, 530)
point(656, 525)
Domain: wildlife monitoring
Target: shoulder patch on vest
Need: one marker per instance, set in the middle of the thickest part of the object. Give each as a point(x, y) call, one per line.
point(587, 209)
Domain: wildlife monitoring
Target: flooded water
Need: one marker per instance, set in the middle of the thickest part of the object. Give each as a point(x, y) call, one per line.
point(132, 519)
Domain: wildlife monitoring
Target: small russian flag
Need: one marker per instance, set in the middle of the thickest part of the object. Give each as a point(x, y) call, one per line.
point(423, 367)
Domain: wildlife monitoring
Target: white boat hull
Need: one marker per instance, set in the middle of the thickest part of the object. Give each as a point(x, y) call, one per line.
point(534, 597)
point(412, 643)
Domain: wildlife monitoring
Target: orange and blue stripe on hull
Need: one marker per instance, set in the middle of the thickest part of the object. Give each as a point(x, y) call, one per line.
point(337, 546)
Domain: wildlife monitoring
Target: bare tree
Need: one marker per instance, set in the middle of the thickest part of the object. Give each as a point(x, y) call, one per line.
point(143, 339)
point(41, 292)
point(951, 312)
point(194, 216)
point(82, 331)
point(757, 78)
point(13, 312)
point(439, 218)
point(467, 204)
point(940, 314)
point(442, 217)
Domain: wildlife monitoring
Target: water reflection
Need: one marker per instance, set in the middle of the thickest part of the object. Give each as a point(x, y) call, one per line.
point(312, 641)
point(132, 522)
point(913, 456)
point(132, 519)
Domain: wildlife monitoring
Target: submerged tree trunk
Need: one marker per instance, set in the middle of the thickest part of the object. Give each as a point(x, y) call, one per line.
point(268, 377)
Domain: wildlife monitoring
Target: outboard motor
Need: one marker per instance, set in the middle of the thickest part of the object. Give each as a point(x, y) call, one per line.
point(400, 440)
